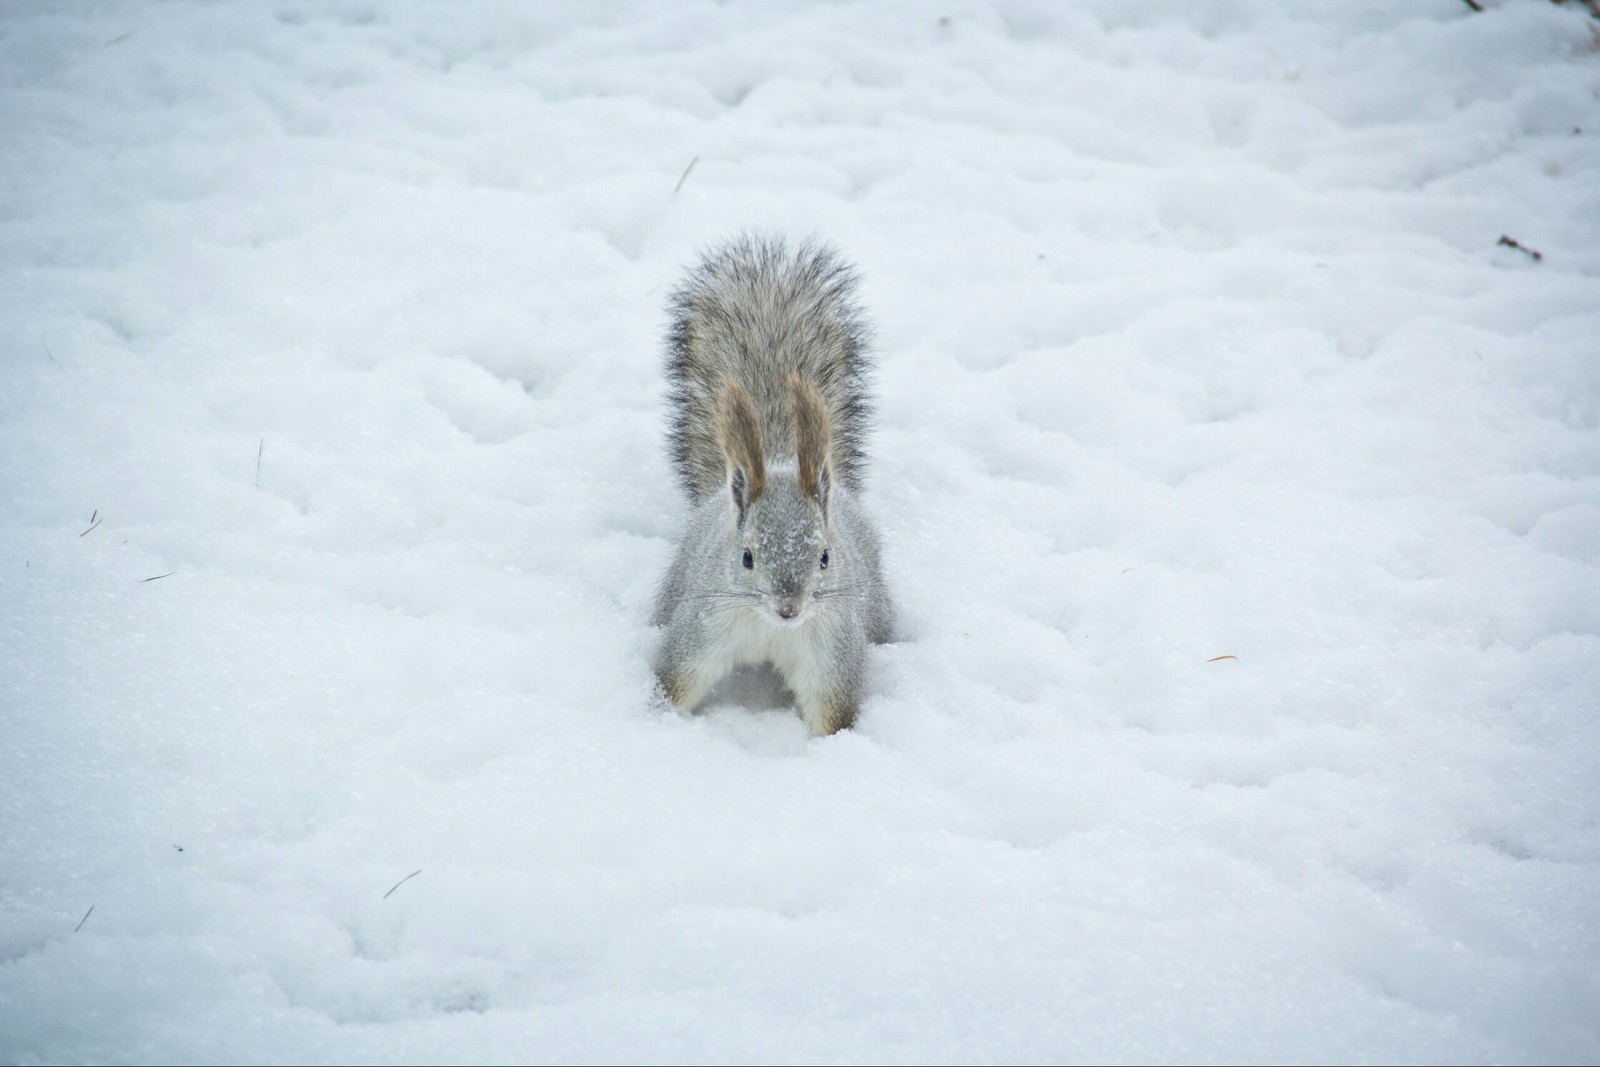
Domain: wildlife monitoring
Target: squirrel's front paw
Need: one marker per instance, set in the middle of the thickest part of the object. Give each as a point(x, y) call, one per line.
point(829, 716)
point(683, 689)
point(669, 691)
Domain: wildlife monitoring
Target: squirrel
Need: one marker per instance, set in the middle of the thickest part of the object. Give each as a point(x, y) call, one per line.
point(779, 564)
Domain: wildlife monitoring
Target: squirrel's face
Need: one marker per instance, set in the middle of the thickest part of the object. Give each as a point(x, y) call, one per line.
point(781, 551)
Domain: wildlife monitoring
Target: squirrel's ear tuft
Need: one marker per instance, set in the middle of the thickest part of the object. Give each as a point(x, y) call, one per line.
point(739, 435)
point(813, 440)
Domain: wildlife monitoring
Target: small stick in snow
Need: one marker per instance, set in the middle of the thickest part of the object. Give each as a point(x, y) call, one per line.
point(153, 577)
point(685, 177)
point(94, 520)
point(49, 353)
point(259, 449)
point(83, 920)
point(1474, 5)
point(402, 882)
point(1512, 243)
point(1219, 659)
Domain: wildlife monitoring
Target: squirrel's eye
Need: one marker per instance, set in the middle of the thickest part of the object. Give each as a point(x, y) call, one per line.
point(824, 559)
point(749, 560)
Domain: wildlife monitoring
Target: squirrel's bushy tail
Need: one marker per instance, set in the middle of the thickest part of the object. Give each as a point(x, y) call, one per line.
point(753, 312)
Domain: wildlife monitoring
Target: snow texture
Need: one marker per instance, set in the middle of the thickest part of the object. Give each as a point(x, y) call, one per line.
point(1240, 494)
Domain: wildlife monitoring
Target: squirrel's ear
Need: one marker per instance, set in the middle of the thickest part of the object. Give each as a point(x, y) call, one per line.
point(813, 441)
point(739, 435)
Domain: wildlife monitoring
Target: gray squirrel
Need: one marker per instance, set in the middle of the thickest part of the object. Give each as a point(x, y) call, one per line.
point(778, 564)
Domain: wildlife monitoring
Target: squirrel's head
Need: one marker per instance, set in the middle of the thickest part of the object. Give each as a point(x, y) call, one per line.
point(779, 517)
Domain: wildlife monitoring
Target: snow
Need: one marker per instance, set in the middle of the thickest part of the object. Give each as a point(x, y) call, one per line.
point(1239, 492)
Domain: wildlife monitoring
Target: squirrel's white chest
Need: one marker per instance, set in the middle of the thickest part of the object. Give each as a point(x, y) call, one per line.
point(795, 650)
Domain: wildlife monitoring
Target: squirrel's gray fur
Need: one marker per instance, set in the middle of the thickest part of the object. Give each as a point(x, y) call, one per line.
point(767, 381)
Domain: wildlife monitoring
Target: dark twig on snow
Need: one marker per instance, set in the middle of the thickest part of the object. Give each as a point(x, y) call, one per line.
point(153, 577)
point(1474, 5)
point(402, 882)
point(83, 920)
point(685, 176)
point(1512, 243)
point(94, 520)
point(259, 449)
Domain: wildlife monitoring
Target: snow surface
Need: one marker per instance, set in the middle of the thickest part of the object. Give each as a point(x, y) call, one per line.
point(1240, 493)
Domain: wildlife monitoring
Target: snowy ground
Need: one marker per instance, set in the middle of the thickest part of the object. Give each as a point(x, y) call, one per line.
point(1240, 493)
